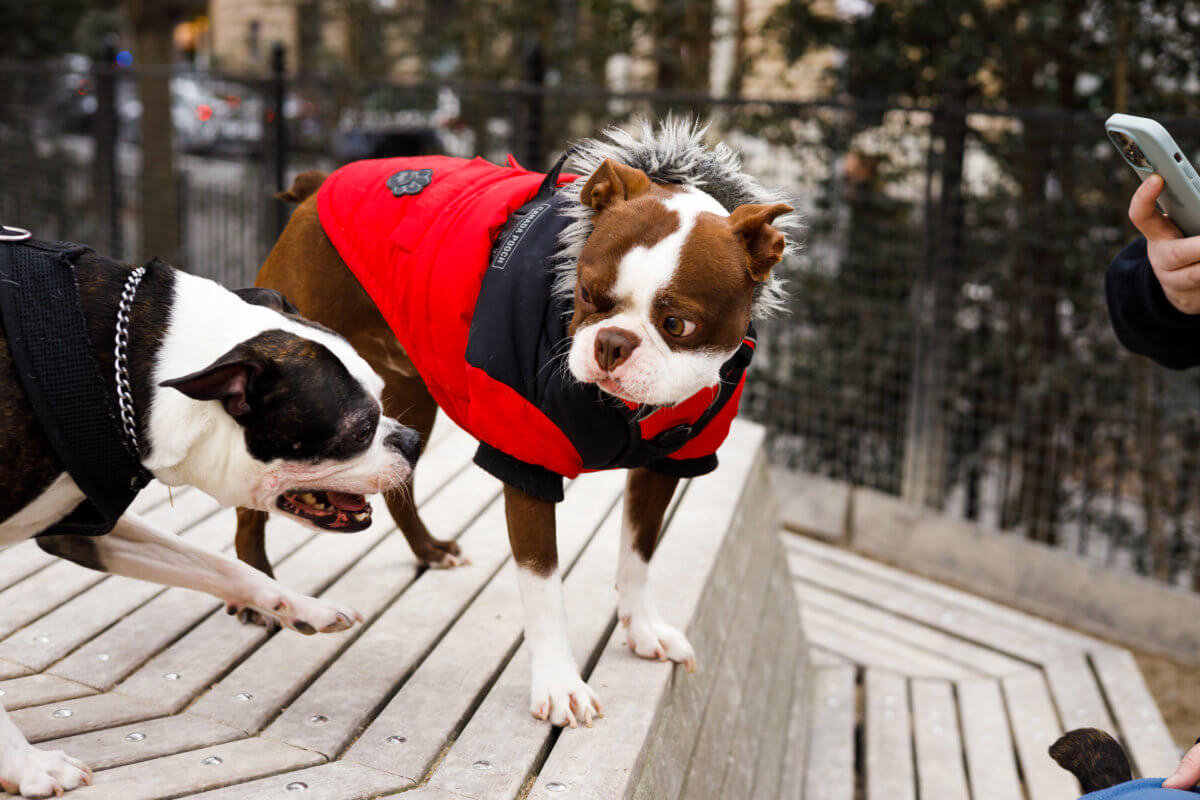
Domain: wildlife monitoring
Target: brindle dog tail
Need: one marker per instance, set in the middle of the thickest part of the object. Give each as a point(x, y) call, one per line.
point(1092, 756)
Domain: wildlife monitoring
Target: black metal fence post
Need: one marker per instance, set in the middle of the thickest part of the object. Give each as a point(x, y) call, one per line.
point(277, 124)
point(106, 189)
point(531, 122)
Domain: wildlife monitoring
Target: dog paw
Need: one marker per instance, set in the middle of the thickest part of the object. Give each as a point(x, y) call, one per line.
point(654, 639)
point(306, 615)
point(441, 554)
point(41, 773)
point(559, 696)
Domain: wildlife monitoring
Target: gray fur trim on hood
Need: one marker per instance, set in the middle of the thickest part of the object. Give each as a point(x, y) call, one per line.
point(674, 153)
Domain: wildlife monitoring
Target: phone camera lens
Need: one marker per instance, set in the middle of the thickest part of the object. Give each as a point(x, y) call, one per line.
point(1129, 148)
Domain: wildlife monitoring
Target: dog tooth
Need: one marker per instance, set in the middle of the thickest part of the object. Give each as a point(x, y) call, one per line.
point(309, 498)
point(361, 516)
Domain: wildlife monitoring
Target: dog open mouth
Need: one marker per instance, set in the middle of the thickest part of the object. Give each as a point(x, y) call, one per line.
point(331, 511)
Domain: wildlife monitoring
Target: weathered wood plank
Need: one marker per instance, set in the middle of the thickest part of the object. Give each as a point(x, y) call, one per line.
point(340, 780)
point(10, 670)
point(820, 657)
point(142, 741)
point(876, 650)
point(197, 770)
point(501, 731)
point(22, 560)
point(476, 635)
point(609, 761)
point(1149, 742)
point(986, 740)
point(156, 494)
point(861, 615)
point(1076, 694)
point(92, 713)
point(940, 771)
point(114, 654)
point(1035, 726)
point(795, 748)
point(49, 638)
point(33, 690)
point(829, 763)
point(889, 757)
point(790, 656)
point(255, 691)
point(812, 505)
point(62, 580)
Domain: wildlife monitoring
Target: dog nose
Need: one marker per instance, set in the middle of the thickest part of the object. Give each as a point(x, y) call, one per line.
point(614, 346)
point(406, 441)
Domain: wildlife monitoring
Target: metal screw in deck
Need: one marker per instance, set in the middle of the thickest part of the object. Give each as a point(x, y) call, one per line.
point(296, 786)
point(135, 737)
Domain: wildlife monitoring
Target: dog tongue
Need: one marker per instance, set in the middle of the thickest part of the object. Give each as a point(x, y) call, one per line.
point(347, 502)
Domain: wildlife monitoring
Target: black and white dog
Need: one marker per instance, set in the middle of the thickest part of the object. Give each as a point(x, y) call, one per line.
point(232, 393)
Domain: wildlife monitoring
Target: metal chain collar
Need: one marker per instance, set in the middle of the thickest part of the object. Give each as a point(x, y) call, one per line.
point(124, 391)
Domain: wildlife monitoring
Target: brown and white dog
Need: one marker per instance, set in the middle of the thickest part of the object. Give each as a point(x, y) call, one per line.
point(233, 394)
point(668, 259)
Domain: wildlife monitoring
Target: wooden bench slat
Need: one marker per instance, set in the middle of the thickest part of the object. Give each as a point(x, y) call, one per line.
point(829, 762)
point(889, 757)
point(501, 731)
point(33, 690)
point(22, 560)
point(255, 691)
point(188, 773)
point(938, 746)
point(389, 650)
point(987, 741)
point(163, 736)
point(91, 713)
point(871, 649)
point(772, 723)
point(820, 657)
point(339, 780)
point(1146, 736)
point(1035, 727)
point(863, 615)
point(10, 670)
point(1076, 694)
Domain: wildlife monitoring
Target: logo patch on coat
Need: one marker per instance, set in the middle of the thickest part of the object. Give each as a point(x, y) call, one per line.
point(410, 181)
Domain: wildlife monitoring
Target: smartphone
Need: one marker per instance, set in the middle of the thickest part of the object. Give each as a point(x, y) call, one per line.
point(1148, 148)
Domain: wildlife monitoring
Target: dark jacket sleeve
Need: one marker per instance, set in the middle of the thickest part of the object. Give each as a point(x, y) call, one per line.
point(1143, 318)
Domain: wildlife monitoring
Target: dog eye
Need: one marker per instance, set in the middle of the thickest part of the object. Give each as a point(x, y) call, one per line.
point(364, 432)
point(678, 327)
point(584, 294)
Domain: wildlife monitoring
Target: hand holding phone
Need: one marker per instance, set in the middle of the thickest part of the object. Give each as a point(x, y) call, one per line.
point(1148, 149)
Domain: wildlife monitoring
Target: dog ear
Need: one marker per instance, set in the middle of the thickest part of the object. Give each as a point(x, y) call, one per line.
point(611, 183)
point(1092, 756)
point(752, 223)
point(267, 297)
point(230, 379)
point(305, 184)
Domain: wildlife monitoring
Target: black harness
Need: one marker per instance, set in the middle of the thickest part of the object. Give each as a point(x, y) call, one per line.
point(56, 361)
point(519, 337)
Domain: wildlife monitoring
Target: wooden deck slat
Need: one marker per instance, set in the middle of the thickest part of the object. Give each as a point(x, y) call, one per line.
point(493, 622)
point(1035, 727)
point(795, 748)
point(155, 494)
point(10, 670)
point(820, 657)
point(1076, 694)
point(829, 773)
point(216, 644)
point(880, 651)
point(164, 736)
point(33, 690)
point(861, 614)
point(339, 780)
point(504, 733)
point(115, 653)
point(1145, 734)
point(255, 691)
point(888, 743)
point(987, 743)
point(59, 582)
point(47, 639)
point(91, 713)
point(22, 560)
point(772, 722)
point(186, 773)
point(937, 741)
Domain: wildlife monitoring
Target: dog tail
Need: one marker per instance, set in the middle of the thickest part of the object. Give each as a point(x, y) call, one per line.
point(305, 185)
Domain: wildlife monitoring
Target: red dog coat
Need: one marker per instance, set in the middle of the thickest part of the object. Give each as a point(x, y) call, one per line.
point(419, 235)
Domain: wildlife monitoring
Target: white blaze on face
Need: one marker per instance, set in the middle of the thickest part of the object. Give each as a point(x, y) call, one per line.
point(653, 373)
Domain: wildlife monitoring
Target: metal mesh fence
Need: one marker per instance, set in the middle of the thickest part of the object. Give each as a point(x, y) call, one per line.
point(948, 340)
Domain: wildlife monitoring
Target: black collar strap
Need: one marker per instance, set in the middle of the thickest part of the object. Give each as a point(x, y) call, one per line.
point(56, 362)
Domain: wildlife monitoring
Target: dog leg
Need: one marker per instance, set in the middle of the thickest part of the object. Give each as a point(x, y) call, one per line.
point(251, 544)
point(137, 549)
point(30, 772)
point(406, 399)
point(647, 495)
point(557, 692)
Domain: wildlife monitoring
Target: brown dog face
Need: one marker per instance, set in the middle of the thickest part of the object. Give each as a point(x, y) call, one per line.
point(664, 285)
